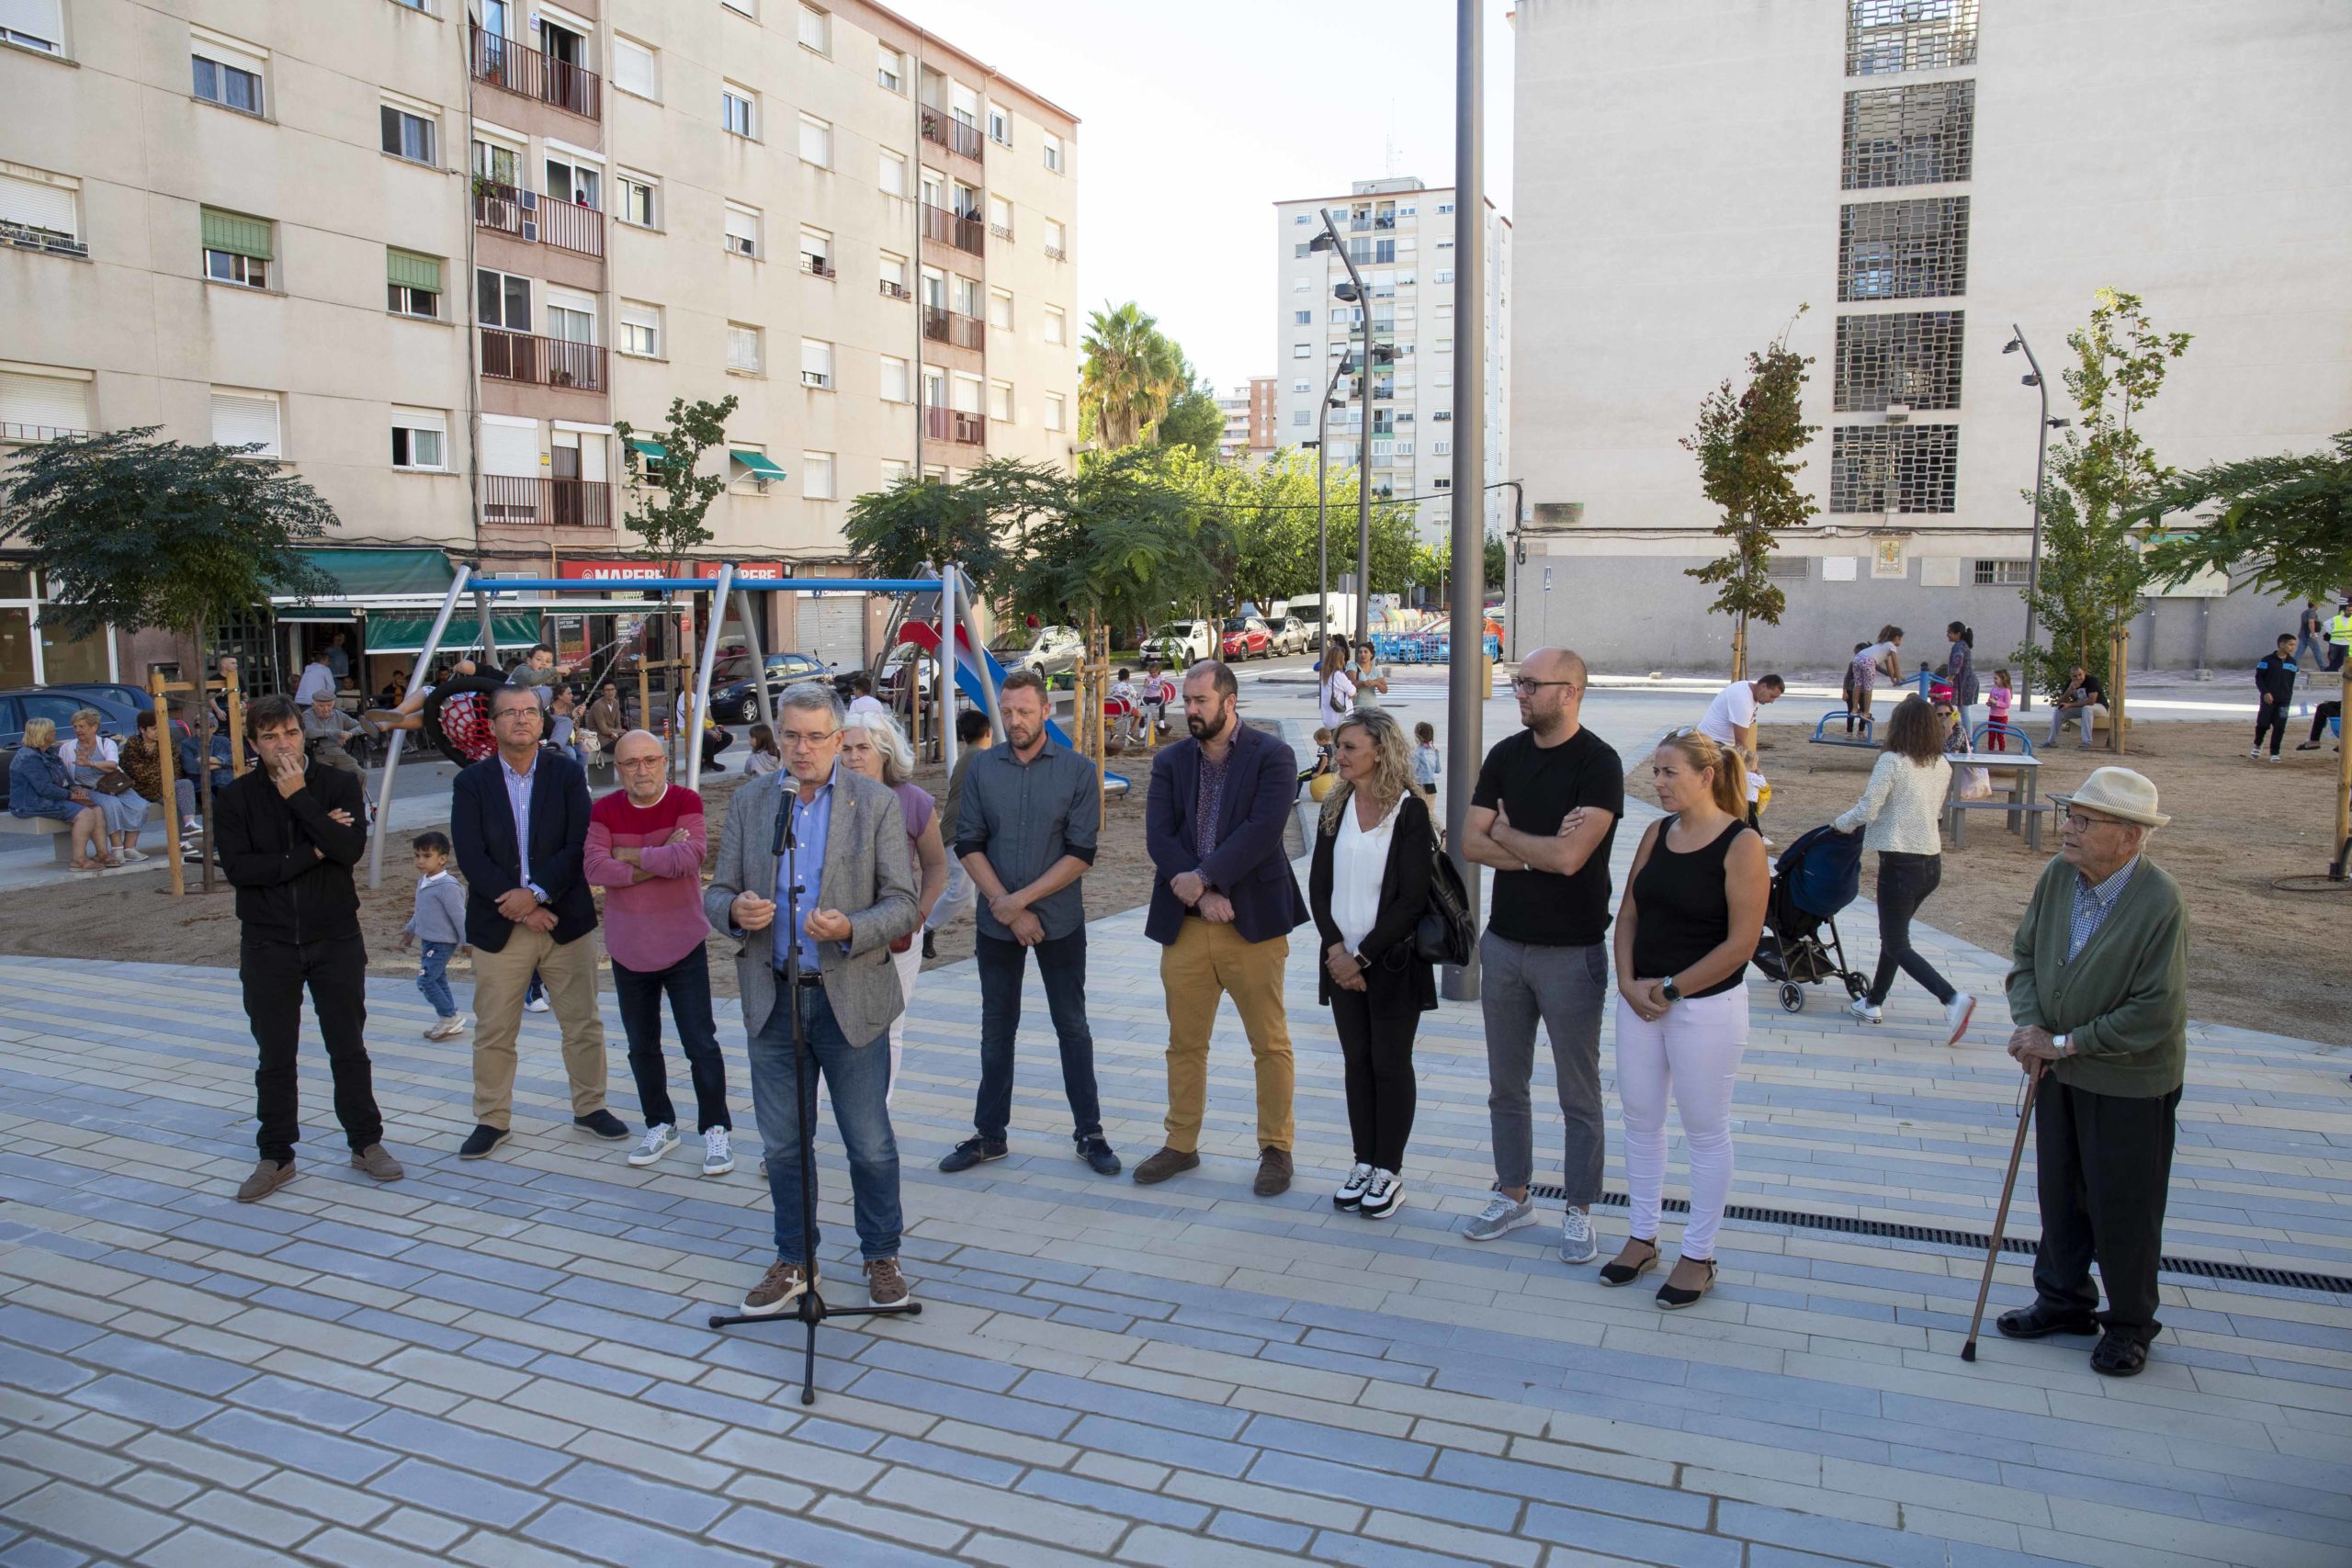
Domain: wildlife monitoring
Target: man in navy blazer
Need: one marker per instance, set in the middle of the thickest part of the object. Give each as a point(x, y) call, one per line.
point(519, 819)
point(1223, 904)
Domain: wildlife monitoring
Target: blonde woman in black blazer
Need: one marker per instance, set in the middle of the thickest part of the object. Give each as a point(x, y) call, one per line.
point(1367, 889)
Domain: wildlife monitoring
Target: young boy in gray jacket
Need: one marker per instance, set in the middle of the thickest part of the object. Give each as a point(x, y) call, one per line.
point(439, 923)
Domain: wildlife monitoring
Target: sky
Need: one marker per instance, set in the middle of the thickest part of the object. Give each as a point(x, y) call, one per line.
point(1195, 118)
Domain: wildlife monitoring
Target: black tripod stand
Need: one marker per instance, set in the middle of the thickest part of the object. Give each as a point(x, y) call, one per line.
point(809, 1307)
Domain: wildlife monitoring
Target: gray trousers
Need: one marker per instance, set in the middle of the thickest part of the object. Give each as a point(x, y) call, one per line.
point(1562, 987)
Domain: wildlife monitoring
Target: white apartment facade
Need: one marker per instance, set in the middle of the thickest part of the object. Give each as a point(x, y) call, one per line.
point(430, 251)
point(1400, 233)
point(1926, 175)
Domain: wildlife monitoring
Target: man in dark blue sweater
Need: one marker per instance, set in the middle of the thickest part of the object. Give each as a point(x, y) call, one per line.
point(2274, 679)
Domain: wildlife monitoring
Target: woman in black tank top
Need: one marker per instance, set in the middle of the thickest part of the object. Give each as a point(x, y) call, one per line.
point(1693, 914)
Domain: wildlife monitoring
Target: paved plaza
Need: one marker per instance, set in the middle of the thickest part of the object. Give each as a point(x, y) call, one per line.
point(506, 1362)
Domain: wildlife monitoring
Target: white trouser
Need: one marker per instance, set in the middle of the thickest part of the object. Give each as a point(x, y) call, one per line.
point(909, 964)
point(1692, 1053)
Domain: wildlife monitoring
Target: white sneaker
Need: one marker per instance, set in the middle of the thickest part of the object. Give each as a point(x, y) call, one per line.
point(1577, 1244)
point(1351, 1192)
point(536, 1004)
point(2256, 753)
point(447, 1028)
point(1957, 1013)
point(1502, 1215)
point(658, 1141)
point(1382, 1197)
point(1860, 1007)
point(718, 1160)
point(133, 853)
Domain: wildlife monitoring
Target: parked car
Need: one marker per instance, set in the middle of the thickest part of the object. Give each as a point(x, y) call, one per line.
point(737, 703)
point(1246, 637)
point(1180, 643)
point(890, 683)
point(127, 695)
point(1052, 651)
point(58, 703)
point(1289, 634)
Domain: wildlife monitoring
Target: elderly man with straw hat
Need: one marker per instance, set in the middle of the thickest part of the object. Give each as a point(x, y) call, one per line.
point(2100, 992)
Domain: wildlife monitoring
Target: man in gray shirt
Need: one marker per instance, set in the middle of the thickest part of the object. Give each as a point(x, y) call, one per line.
point(1025, 831)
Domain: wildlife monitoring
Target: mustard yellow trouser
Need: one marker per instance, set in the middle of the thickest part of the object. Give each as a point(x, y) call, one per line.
point(1207, 960)
point(569, 971)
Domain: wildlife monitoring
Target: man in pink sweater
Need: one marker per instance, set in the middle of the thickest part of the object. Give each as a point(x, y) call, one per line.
point(646, 846)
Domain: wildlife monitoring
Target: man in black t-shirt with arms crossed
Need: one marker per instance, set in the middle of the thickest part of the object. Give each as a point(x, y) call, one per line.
point(1543, 815)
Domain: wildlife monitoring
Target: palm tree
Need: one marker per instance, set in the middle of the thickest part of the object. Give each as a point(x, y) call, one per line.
point(1131, 372)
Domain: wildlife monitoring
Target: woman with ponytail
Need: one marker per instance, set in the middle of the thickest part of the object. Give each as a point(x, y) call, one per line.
point(1959, 669)
point(1692, 913)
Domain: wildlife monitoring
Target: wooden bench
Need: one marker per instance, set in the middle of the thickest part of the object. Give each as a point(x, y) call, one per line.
point(61, 839)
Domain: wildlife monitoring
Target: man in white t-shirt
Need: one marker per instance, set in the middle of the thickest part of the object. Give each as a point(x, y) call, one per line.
point(861, 698)
point(1731, 721)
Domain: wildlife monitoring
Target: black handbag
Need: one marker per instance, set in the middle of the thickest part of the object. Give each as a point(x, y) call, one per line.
point(1446, 930)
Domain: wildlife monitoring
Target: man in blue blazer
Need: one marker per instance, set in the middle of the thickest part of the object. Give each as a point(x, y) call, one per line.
point(1223, 904)
point(519, 819)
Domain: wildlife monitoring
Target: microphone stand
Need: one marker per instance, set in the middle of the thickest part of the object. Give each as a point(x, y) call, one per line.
point(809, 1308)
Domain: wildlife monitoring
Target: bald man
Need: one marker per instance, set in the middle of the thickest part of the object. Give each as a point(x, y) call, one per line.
point(646, 846)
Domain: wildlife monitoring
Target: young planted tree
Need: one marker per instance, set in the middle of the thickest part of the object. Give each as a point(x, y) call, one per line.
point(1747, 444)
point(915, 525)
point(130, 531)
point(669, 496)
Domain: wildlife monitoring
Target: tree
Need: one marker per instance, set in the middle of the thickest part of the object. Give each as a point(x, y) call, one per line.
point(1128, 374)
point(911, 528)
point(1746, 444)
point(668, 496)
point(130, 531)
point(1261, 527)
point(1498, 563)
point(2087, 587)
point(1192, 423)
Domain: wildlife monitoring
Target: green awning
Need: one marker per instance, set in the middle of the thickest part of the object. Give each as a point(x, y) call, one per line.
point(406, 634)
point(758, 463)
point(649, 449)
point(373, 574)
point(409, 270)
point(236, 233)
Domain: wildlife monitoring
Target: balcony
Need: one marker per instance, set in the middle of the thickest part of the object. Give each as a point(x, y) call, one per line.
point(891, 290)
point(50, 242)
point(965, 233)
point(15, 434)
point(1055, 252)
point(527, 73)
point(530, 501)
point(816, 266)
point(952, 326)
point(542, 361)
point(954, 425)
point(536, 220)
point(944, 129)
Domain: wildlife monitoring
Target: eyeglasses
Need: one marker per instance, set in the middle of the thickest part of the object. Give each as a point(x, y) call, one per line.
point(1522, 683)
point(519, 710)
point(2081, 823)
point(794, 738)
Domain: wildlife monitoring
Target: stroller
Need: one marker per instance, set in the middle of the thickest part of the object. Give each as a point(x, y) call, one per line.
point(1817, 875)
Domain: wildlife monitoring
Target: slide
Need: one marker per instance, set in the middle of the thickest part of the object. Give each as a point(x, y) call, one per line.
point(971, 672)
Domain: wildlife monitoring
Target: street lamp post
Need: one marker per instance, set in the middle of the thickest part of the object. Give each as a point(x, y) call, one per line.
point(1322, 536)
point(1330, 241)
point(1467, 682)
point(2041, 457)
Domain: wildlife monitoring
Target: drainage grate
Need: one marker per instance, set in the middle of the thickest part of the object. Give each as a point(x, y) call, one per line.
point(2290, 1279)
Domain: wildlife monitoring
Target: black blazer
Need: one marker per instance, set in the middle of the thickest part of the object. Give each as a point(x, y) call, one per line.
point(481, 830)
point(1248, 866)
point(1394, 976)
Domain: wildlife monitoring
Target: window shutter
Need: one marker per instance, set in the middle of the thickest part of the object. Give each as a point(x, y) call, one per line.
point(239, 419)
point(37, 205)
point(633, 67)
point(512, 450)
point(236, 234)
point(53, 402)
point(33, 18)
point(413, 271)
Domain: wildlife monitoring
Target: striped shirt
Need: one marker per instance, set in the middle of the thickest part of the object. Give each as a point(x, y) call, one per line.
point(2093, 904)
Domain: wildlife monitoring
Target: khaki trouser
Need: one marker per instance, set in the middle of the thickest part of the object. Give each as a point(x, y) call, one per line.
point(1208, 960)
point(569, 972)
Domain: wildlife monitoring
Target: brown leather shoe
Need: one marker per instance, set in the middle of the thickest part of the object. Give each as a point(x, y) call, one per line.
point(378, 1162)
point(778, 1289)
point(884, 1286)
point(1273, 1172)
point(1166, 1163)
point(267, 1177)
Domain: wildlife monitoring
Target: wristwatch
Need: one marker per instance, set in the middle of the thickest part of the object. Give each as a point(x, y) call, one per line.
point(2065, 1044)
point(1666, 986)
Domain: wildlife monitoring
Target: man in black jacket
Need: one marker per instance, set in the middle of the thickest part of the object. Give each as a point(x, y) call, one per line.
point(290, 835)
point(2274, 679)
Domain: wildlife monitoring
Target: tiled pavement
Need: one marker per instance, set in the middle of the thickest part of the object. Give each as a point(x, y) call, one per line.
point(506, 1362)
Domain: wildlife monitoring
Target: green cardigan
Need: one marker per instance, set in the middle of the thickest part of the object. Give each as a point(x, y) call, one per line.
point(2124, 999)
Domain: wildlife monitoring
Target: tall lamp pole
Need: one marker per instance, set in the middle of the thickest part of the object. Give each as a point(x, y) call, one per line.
point(1322, 534)
point(2040, 458)
point(1466, 678)
point(1330, 241)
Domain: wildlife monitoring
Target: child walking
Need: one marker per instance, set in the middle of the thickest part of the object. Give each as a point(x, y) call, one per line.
point(439, 923)
point(1427, 763)
point(1997, 708)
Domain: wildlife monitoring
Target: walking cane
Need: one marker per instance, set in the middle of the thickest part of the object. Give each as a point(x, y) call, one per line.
point(2001, 1219)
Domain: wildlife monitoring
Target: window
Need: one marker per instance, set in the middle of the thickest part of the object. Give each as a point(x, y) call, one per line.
point(579, 183)
point(817, 141)
point(502, 300)
point(410, 134)
point(1054, 420)
point(1912, 358)
point(498, 164)
point(242, 418)
point(1302, 351)
point(227, 73)
point(1001, 400)
point(640, 329)
point(413, 282)
point(1302, 387)
point(1298, 252)
point(1893, 468)
point(895, 471)
point(1000, 309)
point(32, 405)
point(1001, 216)
point(739, 111)
point(1304, 318)
point(633, 68)
point(1446, 207)
point(637, 204)
point(1056, 324)
point(892, 273)
point(898, 384)
point(816, 253)
point(889, 68)
point(816, 363)
point(1440, 484)
point(964, 296)
point(893, 177)
point(1301, 285)
point(743, 230)
point(571, 318)
point(743, 348)
point(417, 436)
point(34, 24)
point(237, 249)
point(42, 207)
point(1908, 35)
point(1910, 136)
point(1057, 240)
point(815, 30)
point(1052, 146)
point(1439, 448)
point(1999, 573)
point(1301, 416)
point(999, 125)
point(741, 8)
point(816, 475)
point(1445, 275)
point(1903, 250)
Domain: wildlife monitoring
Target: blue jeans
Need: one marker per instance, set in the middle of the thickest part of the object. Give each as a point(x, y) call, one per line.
point(432, 982)
point(1061, 963)
point(857, 1076)
point(687, 984)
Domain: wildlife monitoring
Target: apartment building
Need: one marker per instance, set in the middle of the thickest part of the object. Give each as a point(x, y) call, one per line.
point(1250, 427)
point(430, 253)
point(1400, 233)
point(1929, 178)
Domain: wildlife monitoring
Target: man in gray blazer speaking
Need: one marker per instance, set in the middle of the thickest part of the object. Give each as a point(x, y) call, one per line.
point(849, 850)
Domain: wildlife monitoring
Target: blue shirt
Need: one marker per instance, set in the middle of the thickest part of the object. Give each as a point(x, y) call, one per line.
point(518, 800)
point(2093, 904)
point(811, 825)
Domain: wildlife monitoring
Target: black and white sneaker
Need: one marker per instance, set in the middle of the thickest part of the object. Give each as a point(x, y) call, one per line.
point(1351, 1192)
point(1383, 1197)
